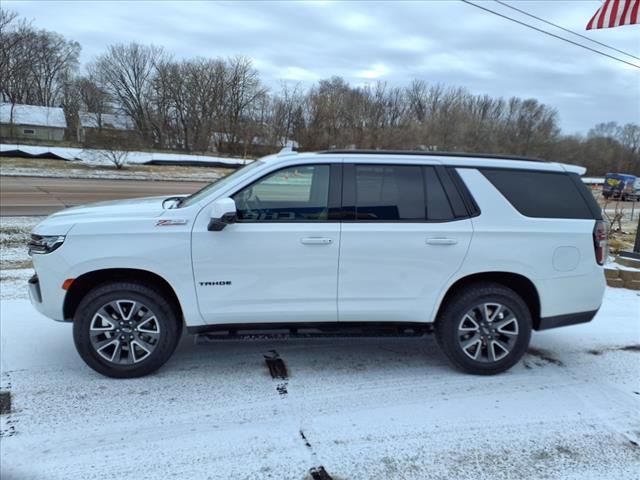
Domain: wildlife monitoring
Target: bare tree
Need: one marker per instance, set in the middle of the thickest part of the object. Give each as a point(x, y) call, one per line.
point(126, 73)
point(243, 88)
point(283, 112)
point(194, 91)
point(201, 104)
point(93, 97)
point(111, 155)
point(17, 54)
point(56, 59)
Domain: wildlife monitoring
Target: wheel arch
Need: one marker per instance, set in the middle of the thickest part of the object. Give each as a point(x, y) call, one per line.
point(520, 284)
point(88, 281)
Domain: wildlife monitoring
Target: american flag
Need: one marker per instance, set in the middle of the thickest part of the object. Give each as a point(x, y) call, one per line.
point(614, 13)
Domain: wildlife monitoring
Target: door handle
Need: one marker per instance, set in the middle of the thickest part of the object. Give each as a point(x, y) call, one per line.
point(441, 241)
point(316, 241)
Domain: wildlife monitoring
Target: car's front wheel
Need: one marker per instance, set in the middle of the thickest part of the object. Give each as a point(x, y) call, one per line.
point(125, 330)
point(484, 329)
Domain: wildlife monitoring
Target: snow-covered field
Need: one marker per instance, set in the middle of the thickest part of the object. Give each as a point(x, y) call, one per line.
point(164, 173)
point(90, 156)
point(379, 408)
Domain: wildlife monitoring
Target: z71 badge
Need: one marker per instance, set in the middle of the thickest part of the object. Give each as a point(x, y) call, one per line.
point(171, 222)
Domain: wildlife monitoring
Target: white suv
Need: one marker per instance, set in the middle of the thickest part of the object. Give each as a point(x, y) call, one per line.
point(480, 249)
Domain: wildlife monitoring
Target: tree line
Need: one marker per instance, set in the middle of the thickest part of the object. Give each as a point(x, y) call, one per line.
point(221, 104)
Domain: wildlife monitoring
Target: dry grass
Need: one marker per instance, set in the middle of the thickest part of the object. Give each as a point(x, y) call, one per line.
point(12, 163)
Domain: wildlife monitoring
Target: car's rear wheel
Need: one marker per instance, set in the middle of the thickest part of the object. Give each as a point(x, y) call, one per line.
point(484, 329)
point(125, 330)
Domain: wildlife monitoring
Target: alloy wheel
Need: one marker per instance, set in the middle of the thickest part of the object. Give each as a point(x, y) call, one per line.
point(124, 332)
point(488, 332)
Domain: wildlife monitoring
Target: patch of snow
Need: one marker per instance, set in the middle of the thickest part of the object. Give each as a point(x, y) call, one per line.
point(368, 408)
point(204, 174)
point(618, 266)
point(13, 283)
point(86, 155)
point(14, 235)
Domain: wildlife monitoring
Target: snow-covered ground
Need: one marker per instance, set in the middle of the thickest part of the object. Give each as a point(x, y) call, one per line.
point(14, 261)
point(378, 408)
point(164, 173)
point(90, 156)
point(370, 408)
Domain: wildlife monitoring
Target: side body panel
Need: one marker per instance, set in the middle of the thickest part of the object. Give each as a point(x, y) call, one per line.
point(557, 255)
point(389, 271)
point(121, 244)
point(267, 271)
point(263, 272)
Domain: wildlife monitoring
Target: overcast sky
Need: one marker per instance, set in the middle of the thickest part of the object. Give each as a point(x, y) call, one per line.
point(438, 41)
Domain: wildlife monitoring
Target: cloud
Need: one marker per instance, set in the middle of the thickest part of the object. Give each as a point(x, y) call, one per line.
point(377, 71)
point(437, 41)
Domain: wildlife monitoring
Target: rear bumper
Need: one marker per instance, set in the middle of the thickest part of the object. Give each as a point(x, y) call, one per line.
point(564, 320)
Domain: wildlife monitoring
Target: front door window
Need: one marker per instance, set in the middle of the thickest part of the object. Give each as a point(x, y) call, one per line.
point(294, 194)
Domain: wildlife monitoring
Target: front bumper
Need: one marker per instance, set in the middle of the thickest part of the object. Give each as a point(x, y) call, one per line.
point(35, 294)
point(44, 295)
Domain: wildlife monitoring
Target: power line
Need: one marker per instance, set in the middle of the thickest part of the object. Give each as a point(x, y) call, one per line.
point(550, 34)
point(566, 29)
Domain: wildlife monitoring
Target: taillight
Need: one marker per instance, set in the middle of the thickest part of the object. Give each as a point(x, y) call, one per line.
point(600, 241)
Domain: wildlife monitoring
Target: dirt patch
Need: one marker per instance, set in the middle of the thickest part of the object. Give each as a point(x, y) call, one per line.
point(7, 422)
point(277, 368)
point(5, 402)
point(319, 473)
point(542, 358)
point(627, 348)
point(630, 348)
point(278, 371)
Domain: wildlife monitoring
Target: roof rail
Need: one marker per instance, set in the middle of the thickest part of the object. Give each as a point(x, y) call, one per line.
point(287, 150)
point(431, 154)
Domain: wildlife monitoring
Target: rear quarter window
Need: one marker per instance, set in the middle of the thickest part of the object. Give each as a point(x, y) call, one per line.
point(543, 194)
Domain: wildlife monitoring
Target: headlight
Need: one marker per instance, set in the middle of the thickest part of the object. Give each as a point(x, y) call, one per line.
point(45, 243)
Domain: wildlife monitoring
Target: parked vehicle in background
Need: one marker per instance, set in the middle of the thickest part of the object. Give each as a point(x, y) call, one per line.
point(622, 186)
point(480, 249)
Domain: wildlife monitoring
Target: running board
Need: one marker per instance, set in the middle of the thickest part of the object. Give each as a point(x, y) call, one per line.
point(312, 332)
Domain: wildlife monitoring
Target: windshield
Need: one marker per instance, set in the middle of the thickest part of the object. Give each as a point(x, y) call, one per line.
point(218, 184)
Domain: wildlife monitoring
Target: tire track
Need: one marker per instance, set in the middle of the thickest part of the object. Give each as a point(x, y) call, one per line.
point(279, 371)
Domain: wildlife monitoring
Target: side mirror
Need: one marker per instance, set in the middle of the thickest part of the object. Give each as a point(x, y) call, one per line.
point(223, 213)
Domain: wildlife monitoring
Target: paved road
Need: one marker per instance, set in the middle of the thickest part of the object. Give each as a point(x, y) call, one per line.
point(42, 196)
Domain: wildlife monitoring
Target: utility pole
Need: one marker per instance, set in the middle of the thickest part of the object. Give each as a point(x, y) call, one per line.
point(636, 246)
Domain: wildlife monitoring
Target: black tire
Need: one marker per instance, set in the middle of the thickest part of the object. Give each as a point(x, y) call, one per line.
point(465, 311)
point(154, 325)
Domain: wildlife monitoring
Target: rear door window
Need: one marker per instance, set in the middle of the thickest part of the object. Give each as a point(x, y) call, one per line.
point(403, 193)
point(389, 192)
